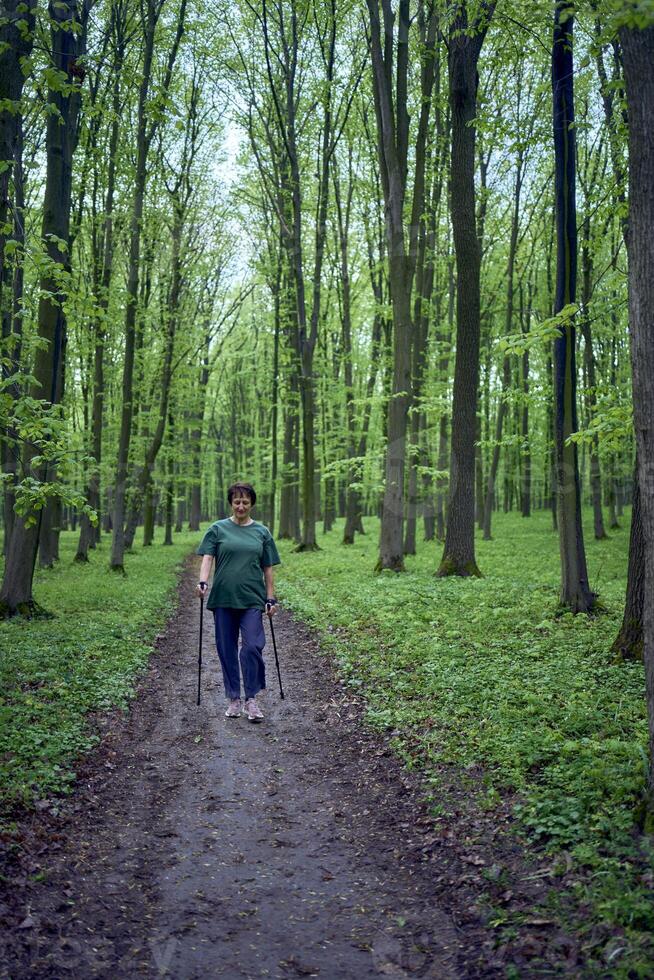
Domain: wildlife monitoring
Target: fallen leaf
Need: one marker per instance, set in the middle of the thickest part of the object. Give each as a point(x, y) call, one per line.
point(473, 859)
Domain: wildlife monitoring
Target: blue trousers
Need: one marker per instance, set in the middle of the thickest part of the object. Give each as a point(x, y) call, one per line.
point(228, 622)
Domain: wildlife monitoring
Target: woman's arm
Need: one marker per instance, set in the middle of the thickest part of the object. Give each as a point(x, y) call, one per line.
point(269, 579)
point(205, 571)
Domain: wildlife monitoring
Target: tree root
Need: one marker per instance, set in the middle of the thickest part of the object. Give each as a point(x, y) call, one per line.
point(449, 566)
point(28, 610)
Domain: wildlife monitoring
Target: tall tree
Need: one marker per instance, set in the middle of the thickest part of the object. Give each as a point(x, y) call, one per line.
point(103, 249)
point(638, 49)
point(465, 43)
point(17, 20)
point(390, 87)
point(575, 591)
point(180, 190)
point(629, 641)
point(68, 24)
point(286, 119)
point(148, 123)
point(506, 364)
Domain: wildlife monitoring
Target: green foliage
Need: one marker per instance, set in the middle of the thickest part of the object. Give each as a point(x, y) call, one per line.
point(612, 425)
point(54, 673)
point(633, 14)
point(45, 430)
point(541, 333)
point(469, 672)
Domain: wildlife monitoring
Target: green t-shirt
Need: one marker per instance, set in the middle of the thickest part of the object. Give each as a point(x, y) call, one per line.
point(241, 551)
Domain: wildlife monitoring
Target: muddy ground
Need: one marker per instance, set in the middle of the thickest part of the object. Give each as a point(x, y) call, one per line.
point(194, 846)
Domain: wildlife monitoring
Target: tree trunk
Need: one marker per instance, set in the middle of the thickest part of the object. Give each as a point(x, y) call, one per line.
point(51, 527)
point(591, 381)
point(393, 136)
point(479, 473)
point(444, 373)
point(418, 356)
point(465, 45)
point(136, 221)
point(525, 485)
point(195, 509)
point(148, 514)
point(419, 455)
point(169, 502)
point(12, 336)
point(353, 519)
point(638, 52)
point(145, 134)
point(274, 421)
point(89, 535)
point(307, 328)
point(289, 510)
point(575, 591)
point(502, 410)
point(16, 42)
point(343, 210)
point(506, 366)
point(628, 644)
point(61, 139)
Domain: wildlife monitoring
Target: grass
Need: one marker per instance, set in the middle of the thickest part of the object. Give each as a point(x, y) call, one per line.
point(54, 673)
point(483, 672)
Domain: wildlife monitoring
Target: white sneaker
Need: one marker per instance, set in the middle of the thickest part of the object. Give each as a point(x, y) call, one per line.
point(234, 709)
point(254, 711)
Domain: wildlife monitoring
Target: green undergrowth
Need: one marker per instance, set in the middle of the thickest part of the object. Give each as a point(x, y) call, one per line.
point(486, 672)
point(55, 672)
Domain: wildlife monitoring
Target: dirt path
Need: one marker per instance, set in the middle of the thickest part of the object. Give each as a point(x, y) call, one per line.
point(201, 847)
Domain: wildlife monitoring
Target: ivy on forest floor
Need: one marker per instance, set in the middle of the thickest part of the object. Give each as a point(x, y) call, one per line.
point(55, 672)
point(471, 672)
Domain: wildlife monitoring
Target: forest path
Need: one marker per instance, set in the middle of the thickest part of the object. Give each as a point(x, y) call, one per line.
point(200, 847)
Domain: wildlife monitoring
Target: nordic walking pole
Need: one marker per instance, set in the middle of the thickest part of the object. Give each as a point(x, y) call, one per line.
point(279, 676)
point(200, 646)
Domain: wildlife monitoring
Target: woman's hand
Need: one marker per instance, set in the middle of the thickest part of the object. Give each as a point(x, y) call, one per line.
point(271, 607)
point(201, 589)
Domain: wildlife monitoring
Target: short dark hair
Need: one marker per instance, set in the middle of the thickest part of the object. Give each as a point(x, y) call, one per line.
point(241, 488)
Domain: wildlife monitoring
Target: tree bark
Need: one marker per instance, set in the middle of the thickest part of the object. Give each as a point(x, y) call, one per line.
point(420, 491)
point(169, 501)
point(375, 252)
point(575, 591)
point(16, 42)
point(61, 138)
point(307, 327)
point(465, 45)
point(638, 53)
point(393, 136)
point(443, 425)
point(195, 509)
point(89, 535)
point(12, 336)
point(506, 366)
point(343, 211)
point(145, 134)
point(628, 644)
point(525, 483)
point(591, 380)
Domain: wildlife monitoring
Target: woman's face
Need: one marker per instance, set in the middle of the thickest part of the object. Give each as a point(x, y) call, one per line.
point(241, 506)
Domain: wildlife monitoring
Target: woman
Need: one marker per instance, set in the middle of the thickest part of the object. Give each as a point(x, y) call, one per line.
point(242, 586)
